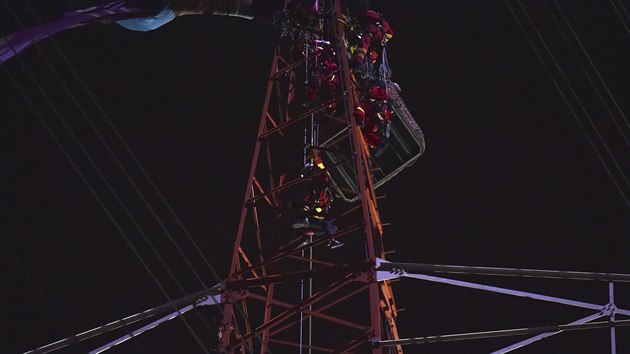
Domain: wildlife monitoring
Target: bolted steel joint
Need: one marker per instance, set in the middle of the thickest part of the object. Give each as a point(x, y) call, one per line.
point(609, 310)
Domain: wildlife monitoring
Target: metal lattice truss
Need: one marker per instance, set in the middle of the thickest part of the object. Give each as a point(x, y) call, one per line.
point(384, 272)
point(388, 271)
point(287, 288)
point(293, 287)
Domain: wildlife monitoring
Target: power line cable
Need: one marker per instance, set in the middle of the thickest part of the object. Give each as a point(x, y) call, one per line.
point(146, 175)
point(139, 165)
point(115, 157)
point(620, 12)
point(594, 67)
point(127, 175)
point(87, 183)
point(565, 98)
point(578, 100)
point(15, 258)
point(116, 195)
point(62, 241)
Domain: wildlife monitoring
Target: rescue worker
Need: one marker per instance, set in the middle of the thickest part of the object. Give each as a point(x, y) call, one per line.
point(373, 115)
point(374, 34)
point(322, 83)
point(318, 201)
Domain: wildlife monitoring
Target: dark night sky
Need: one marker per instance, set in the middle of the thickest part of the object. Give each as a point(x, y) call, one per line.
point(508, 179)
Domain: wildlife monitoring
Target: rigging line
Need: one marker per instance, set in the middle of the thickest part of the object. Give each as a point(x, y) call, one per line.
point(566, 101)
point(601, 79)
point(16, 259)
point(619, 14)
point(89, 186)
point(138, 164)
point(63, 242)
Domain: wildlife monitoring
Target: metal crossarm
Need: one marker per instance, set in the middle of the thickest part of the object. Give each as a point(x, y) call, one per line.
point(503, 333)
point(180, 306)
point(397, 267)
point(387, 271)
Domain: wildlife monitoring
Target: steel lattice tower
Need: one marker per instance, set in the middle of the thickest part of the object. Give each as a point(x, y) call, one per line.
point(285, 288)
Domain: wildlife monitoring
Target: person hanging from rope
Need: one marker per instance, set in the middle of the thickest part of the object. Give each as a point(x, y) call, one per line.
point(318, 201)
point(373, 115)
point(135, 15)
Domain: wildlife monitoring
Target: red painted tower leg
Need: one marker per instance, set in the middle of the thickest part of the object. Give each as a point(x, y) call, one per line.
point(262, 294)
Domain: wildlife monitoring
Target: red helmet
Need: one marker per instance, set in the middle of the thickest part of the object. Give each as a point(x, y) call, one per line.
point(377, 92)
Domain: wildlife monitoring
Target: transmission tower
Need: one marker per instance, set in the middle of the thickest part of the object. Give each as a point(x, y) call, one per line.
point(309, 280)
point(294, 287)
